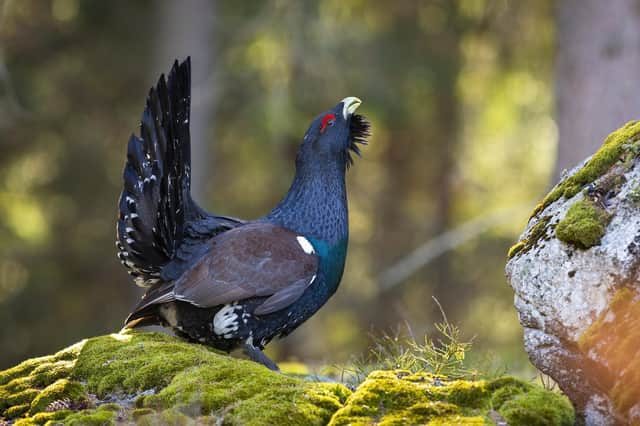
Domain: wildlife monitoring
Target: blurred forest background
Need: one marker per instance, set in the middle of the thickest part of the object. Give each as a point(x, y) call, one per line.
point(465, 141)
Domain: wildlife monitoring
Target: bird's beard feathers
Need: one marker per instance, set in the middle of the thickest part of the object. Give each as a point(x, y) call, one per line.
point(359, 131)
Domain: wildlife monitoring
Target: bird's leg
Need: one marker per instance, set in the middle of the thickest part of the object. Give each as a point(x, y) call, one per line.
point(258, 356)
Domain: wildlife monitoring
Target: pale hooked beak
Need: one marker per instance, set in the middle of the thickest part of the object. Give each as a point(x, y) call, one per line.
point(350, 105)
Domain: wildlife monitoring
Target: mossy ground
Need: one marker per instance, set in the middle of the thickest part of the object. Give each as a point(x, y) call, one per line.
point(614, 340)
point(400, 398)
point(583, 225)
point(151, 378)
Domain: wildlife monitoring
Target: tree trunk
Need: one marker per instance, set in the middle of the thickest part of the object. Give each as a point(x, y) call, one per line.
point(185, 28)
point(597, 63)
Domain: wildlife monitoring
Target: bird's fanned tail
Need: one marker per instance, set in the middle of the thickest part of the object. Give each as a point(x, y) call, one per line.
point(157, 213)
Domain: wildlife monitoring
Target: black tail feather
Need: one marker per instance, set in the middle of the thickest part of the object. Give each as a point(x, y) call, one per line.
point(156, 200)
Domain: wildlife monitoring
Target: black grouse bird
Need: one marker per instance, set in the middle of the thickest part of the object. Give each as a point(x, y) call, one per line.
point(218, 280)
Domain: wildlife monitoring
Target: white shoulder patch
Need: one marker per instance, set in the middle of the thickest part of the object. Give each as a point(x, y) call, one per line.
point(305, 244)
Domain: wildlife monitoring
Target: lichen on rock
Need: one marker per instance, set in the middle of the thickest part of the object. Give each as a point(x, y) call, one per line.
point(151, 378)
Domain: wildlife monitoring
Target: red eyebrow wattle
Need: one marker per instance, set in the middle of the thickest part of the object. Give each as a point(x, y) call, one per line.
point(325, 120)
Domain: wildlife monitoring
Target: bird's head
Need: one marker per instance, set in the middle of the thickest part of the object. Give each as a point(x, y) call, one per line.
point(334, 135)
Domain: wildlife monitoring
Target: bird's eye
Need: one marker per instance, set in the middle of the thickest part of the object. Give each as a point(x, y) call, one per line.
point(327, 120)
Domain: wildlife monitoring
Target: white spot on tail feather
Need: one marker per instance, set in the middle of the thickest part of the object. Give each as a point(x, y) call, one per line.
point(305, 244)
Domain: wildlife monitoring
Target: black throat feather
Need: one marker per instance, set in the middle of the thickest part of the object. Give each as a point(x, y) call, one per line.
point(359, 131)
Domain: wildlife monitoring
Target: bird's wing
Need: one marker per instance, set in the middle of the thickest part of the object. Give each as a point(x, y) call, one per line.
point(160, 229)
point(254, 260)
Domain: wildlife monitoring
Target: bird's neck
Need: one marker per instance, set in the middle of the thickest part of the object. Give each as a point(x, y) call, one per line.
point(316, 205)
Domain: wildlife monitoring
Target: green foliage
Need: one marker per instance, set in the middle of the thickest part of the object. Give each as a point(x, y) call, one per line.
point(583, 225)
point(443, 355)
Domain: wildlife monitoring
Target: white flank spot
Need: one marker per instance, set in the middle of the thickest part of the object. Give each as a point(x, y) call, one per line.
point(225, 321)
point(305, 244)
point(133, 215)
point(128, 230)
point(168, 311)
point(129, 241)
point(129, 200)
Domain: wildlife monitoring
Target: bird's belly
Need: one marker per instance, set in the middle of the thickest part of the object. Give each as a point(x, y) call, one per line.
point(229, 326)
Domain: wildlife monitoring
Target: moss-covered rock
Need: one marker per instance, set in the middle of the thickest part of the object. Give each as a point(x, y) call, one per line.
point(399, 398)
point(612, 150)
point(536, 233)
point(150, 378)
point(154, 377)
point(576, 287)
point(583, 225)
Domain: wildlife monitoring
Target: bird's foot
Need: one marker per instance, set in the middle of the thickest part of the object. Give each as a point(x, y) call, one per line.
point(258, 356)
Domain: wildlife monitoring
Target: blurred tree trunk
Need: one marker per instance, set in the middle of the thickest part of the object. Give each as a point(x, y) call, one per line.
point(433, 165)
point(597, 62)
point(186, 28)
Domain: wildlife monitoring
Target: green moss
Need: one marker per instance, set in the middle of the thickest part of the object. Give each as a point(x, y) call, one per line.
point(611, 151)
point(515, 249)
point(391, 397)
point(192, 379)
point(538, 408)
point(91, 418)
point(634, 195)
point(17, 410)
point(504, 394)
point(535, 234)
point(434, 409)
point(583, 225)
point(614, 340)
point(42, 418)
point(62, 389)
point(173, 382)
point(139, 412)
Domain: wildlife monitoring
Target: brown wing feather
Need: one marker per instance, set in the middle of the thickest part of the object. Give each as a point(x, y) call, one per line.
point(252, 260)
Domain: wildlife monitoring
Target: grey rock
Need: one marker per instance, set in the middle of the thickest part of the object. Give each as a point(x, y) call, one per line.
point(561, 290)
